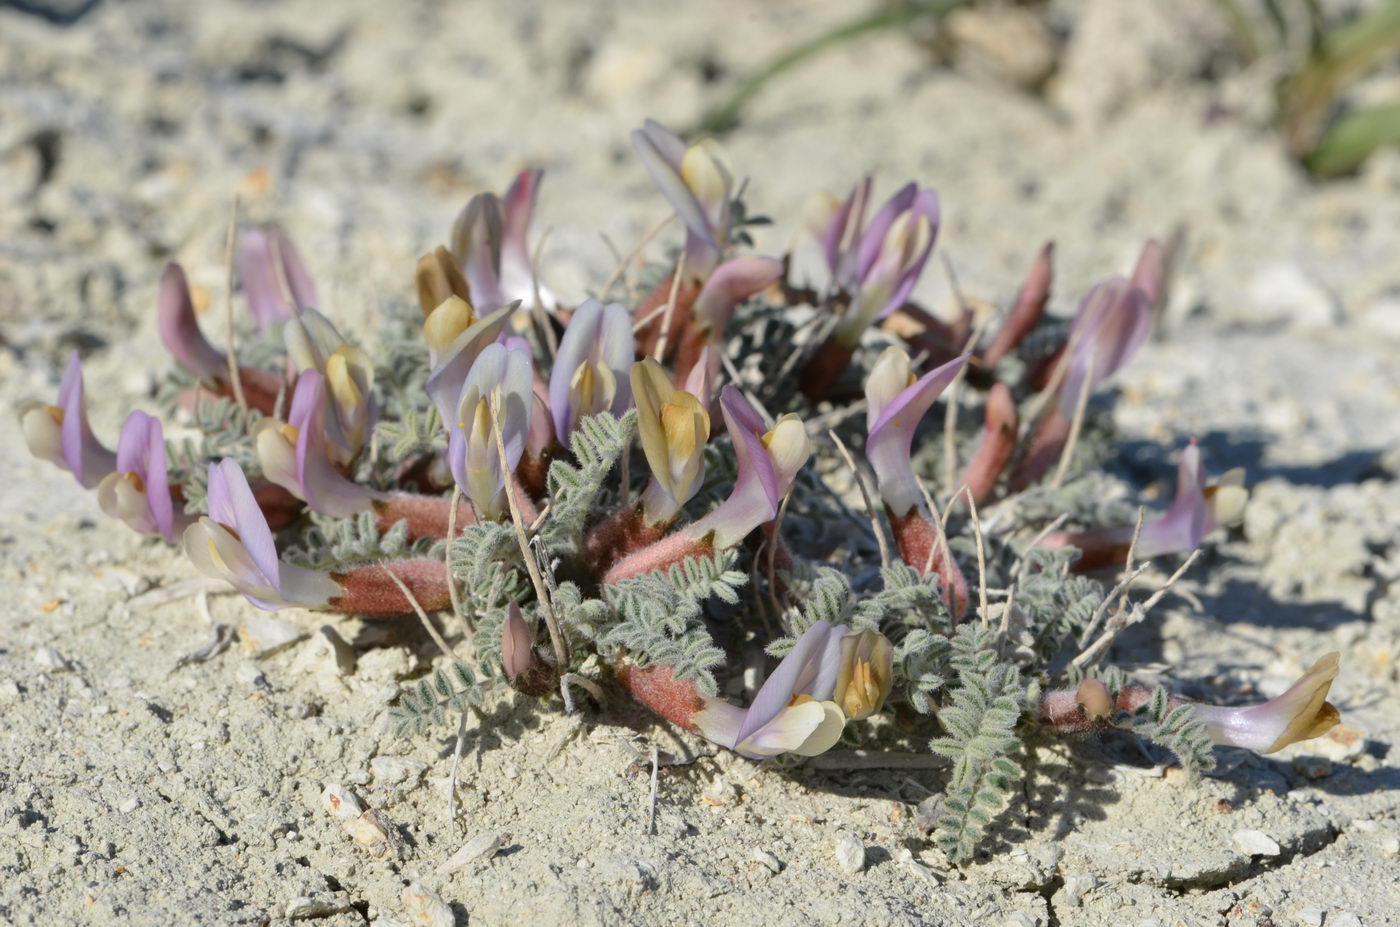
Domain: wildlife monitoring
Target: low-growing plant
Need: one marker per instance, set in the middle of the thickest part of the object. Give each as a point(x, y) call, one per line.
point(602, 493)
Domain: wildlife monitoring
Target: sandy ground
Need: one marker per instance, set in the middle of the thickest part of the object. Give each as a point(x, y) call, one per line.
point(133, 791)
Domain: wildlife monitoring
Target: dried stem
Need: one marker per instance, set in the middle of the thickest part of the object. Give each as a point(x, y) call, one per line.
point(556, 635)
point(1081, 403)
point(551, 343)
point(447, 558)
point(1132, 552)
point(1097, 617)
point(636, 250)
point(418, 609)
point(234, 375)
point(773, 541)
point(981, 557)
point(670, 317)
point(865, 494)
point(456, 762)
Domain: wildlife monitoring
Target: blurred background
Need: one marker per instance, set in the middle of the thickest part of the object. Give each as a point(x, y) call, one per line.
point(1258, 128)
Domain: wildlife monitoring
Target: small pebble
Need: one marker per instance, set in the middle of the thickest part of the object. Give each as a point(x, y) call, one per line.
point(9, 688)
point(482, 846)
point(719, 793)
point(1076, 886)
point(308, 907)
point(130, 805)
point(850, 853)
point(1022, 919)
point(372, 830)
point(1312, 916)
point(49, 659)
point(1344, 919)
point(766, 860)
point(926, 815)
point(1256, 843)
point(396, 770)
point(264, 636)
point(340, 802)
point(1390, 847)
point(425, 907)
point(907, 860)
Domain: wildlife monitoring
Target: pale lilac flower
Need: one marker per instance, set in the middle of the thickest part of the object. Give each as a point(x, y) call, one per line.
point(590, 369)
point(1113, 321)
point(275, 279)
point(457, 356)
point(1301, 713)
point(732, 282)
point(138, 491)
point(831, 675)
point(699, 182)
point(768, 462)
point(895, 404)
point(1196, 511)
point(234, 543)
point(490, 240)
point(296, 456)
point(1199, 508)
point(472, 452)
point(838, 226)
point(674, 427)
point(61, 434)
point(314, 343)
point(179, 329)
point(888, 259)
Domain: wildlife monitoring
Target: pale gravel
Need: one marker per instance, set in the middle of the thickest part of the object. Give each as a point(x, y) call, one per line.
point(134, 792)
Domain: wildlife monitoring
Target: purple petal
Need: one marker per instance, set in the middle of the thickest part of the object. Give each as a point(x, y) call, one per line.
point(519, 207)
point(747, 430)
point(476, 243)
point(247, 518)
point(299, 282)
point(179, 329)
point(574, 349)
point(616, 350)
point(926, 207)
point(851, 215)
point(444, 385)
point(1183, 527)
point(891, 437)
point(322, 485)
point(87, 459)
point(1112, 323)
point(872, 240)
point(157, 478)
point(658, 152)
point(733, 282)
point(777, 691)
point(257, 269)
point(134, 442)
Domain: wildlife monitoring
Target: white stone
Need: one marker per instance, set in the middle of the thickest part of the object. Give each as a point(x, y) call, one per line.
point(1076, 886)
point(480, 847)
point(1256, 843)
point(129, 805)
point(1312, 916)
point(340, 802)
point(850, 853)
point(1022, 919)
point(264, 635)
point(1390, 847)
point(425, 907)
point(1344, 919)
point(766, 860)
point(1283, 293)
point(9, 689)
point(50, 659)
point(396, 770)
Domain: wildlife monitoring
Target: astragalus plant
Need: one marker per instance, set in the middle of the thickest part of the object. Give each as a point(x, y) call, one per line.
point(631, 489)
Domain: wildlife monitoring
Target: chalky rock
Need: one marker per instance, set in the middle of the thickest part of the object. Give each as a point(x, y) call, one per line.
point(264, 635)
point(317, 905)
point(373, 831)
point(340, 802)
point(1256, 843)
point(480, 847)
point(396, 770)
point(767, 860)
point(850, 853)
point(425, 907)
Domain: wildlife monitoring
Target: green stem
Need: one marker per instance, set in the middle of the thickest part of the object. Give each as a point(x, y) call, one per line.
point(723, 117)
point(1352, 138)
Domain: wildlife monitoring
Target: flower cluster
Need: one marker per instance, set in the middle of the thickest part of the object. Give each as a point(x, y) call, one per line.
point(627, 455)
